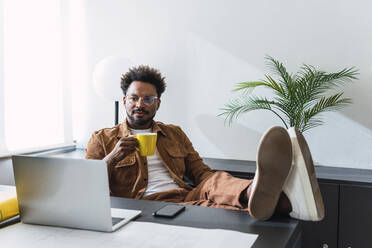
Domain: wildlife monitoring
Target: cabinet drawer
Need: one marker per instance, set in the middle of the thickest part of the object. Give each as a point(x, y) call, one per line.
point(323, 233)
point(355, 221)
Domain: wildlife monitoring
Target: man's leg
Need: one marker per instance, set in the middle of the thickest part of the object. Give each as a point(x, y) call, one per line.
point(174, 195)
point(264, 196)
point(220, 190)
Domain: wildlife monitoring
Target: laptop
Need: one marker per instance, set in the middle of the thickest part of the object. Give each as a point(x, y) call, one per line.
point(66, 192)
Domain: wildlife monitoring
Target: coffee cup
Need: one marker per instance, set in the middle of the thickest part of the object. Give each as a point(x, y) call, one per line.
point(147, 143)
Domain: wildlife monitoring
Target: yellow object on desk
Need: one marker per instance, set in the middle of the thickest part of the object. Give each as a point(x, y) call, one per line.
point(8, 202)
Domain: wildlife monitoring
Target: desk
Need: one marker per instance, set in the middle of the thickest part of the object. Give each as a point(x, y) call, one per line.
point(278, 232)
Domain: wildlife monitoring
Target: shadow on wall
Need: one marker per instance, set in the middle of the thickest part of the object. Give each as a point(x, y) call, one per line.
point(229, 141)
point(341, 142)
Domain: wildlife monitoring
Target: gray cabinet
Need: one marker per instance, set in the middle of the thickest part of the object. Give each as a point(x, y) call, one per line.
point(347, 195)
point(324, 233)
point(355, 218)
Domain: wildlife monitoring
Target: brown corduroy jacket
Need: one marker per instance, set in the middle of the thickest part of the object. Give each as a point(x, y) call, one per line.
point(128, 178)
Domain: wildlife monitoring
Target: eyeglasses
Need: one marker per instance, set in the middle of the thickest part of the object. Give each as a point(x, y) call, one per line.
point(147, 100)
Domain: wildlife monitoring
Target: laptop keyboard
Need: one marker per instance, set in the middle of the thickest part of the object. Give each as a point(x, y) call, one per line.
point(116, 220)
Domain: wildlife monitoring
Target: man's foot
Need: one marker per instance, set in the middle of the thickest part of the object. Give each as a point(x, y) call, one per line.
point(301, 186)
point(274, 159)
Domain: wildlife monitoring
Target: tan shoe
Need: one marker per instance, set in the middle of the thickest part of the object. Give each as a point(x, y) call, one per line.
point(301, 186)
point(274, 159)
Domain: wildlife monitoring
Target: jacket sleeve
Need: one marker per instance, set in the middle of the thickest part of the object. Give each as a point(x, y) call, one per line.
point(196, 170)
point(95, 149)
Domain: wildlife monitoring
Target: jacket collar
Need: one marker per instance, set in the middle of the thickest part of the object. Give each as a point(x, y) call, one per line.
point(125, 131)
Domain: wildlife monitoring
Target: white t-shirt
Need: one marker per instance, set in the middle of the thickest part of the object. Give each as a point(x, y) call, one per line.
point(159, 178)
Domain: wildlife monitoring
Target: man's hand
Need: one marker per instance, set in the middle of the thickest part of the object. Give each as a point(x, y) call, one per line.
point(123, 148)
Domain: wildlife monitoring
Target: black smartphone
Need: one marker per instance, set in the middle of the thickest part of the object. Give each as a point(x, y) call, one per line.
point(169, 211)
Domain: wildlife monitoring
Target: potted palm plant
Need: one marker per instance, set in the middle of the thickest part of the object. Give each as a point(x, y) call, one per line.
point(298, 98)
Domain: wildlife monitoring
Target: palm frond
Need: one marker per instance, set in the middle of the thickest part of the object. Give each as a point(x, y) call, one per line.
point(279, 69)
point(249, 84)
point(332, 103)
point(285, 78)
point(270, 82)
point(312, 84)
point(284, 106)
point(341, 77)
point(311, 124)
point(247, 87)
point(275, 86)
point(245, 104)
point(241, 105)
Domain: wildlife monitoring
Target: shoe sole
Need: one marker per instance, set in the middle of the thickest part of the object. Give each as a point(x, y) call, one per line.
point(274, 158)
point(301, 186)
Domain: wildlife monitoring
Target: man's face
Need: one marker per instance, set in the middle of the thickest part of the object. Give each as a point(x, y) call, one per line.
point(141, 104)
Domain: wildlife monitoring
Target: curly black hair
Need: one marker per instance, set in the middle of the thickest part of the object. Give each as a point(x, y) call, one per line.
point(143, 73)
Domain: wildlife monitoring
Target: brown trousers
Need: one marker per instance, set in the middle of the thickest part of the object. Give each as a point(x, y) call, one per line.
point(221, 190)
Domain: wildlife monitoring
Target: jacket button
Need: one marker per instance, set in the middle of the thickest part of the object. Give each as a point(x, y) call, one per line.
point(145, 179)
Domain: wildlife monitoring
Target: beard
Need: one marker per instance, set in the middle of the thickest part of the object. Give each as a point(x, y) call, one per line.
point(140, 121)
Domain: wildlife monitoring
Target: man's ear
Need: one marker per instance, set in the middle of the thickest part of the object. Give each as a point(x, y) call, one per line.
point(159, 101)
point(124, 99)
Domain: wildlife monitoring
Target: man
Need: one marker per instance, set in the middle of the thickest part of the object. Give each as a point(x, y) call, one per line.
point(162, 177)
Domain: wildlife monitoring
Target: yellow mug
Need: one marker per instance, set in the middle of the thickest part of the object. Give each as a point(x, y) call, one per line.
point(147, 143)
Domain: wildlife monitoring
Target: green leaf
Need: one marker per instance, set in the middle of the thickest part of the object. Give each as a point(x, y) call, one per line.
point(244, 85)
point(332, 103)
point(279, 69)
point(246, 104)
point(248, 87)
point(275, 86)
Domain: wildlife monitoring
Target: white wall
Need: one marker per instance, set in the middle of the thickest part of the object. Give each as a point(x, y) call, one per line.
point(205, 47)
point(6, 171)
